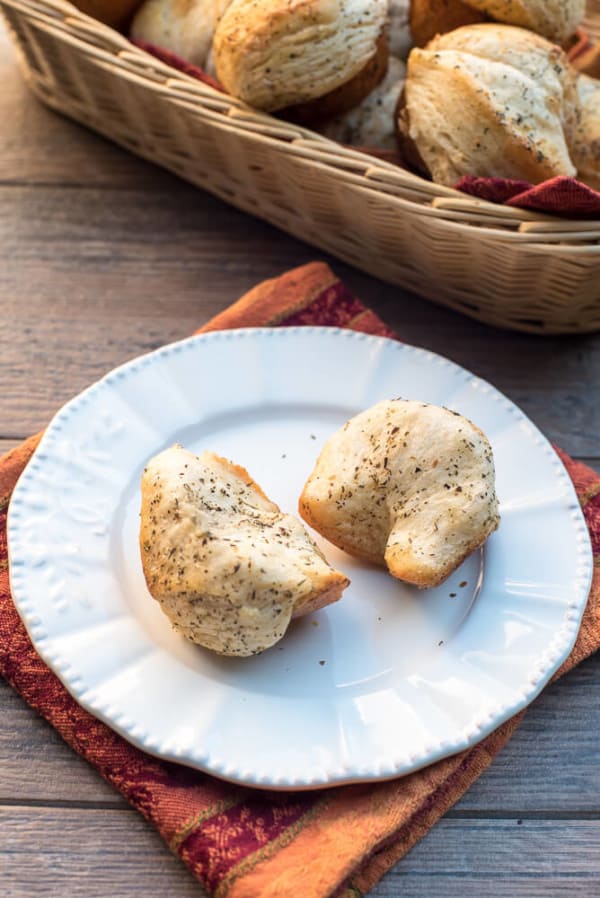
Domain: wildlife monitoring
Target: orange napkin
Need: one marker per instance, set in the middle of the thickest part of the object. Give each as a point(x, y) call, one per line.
point(246, 843)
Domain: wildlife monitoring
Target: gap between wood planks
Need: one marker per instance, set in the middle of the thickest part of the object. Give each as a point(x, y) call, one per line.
point(492, 814)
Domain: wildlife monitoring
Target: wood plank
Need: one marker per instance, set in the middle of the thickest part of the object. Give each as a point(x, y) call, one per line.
point(552, 761)
point(47, 362)
point(43, 147)
point(85, 250)
point(537, 885)
point(7, 444)
point(71, 853)
point(510, 858)
point(512, 847)
point(557, 743)
point(37, 766)
point(76, 853)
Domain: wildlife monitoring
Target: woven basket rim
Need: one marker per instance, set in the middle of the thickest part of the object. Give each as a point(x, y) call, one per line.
point(370, 172)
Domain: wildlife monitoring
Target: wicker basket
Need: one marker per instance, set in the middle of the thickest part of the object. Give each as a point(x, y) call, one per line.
point(505, 266)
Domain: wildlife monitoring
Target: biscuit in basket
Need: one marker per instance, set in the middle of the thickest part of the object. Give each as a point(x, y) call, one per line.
point(492, 101)
point(534, 56)
point(406, 485)
point(312, 59)
point(184, 27)
point(228, 568)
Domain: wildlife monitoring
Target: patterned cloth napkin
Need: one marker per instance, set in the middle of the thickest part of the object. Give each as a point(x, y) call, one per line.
point(562, 196)
point(246, 843)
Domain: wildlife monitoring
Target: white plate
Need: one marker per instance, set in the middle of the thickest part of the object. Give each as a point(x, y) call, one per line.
point(383, 682)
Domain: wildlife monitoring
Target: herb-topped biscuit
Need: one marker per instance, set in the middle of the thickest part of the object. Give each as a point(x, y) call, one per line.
point(229, 569)
point(406, 485)
point(311, 58)
point(491, 101)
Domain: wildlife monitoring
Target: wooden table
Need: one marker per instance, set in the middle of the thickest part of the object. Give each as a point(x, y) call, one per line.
point(104, 257)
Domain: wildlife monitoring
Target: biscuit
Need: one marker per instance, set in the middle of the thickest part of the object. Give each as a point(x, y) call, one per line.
point(228, 568)
point(406, 485)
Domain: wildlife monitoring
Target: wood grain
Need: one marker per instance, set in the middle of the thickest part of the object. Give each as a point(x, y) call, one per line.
point(37, 766)
point(54, 852)
point(85, 250)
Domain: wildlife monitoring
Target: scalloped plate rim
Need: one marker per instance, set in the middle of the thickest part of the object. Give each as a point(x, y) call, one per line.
point(43, 643)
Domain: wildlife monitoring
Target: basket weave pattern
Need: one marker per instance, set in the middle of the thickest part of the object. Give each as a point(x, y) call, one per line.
point(502, 265)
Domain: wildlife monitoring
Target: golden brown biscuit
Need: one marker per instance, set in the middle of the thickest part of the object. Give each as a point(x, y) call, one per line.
point(228, 568)
point(345, 97)
point(535, 57)
point(284, 54)
point(405, 484)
